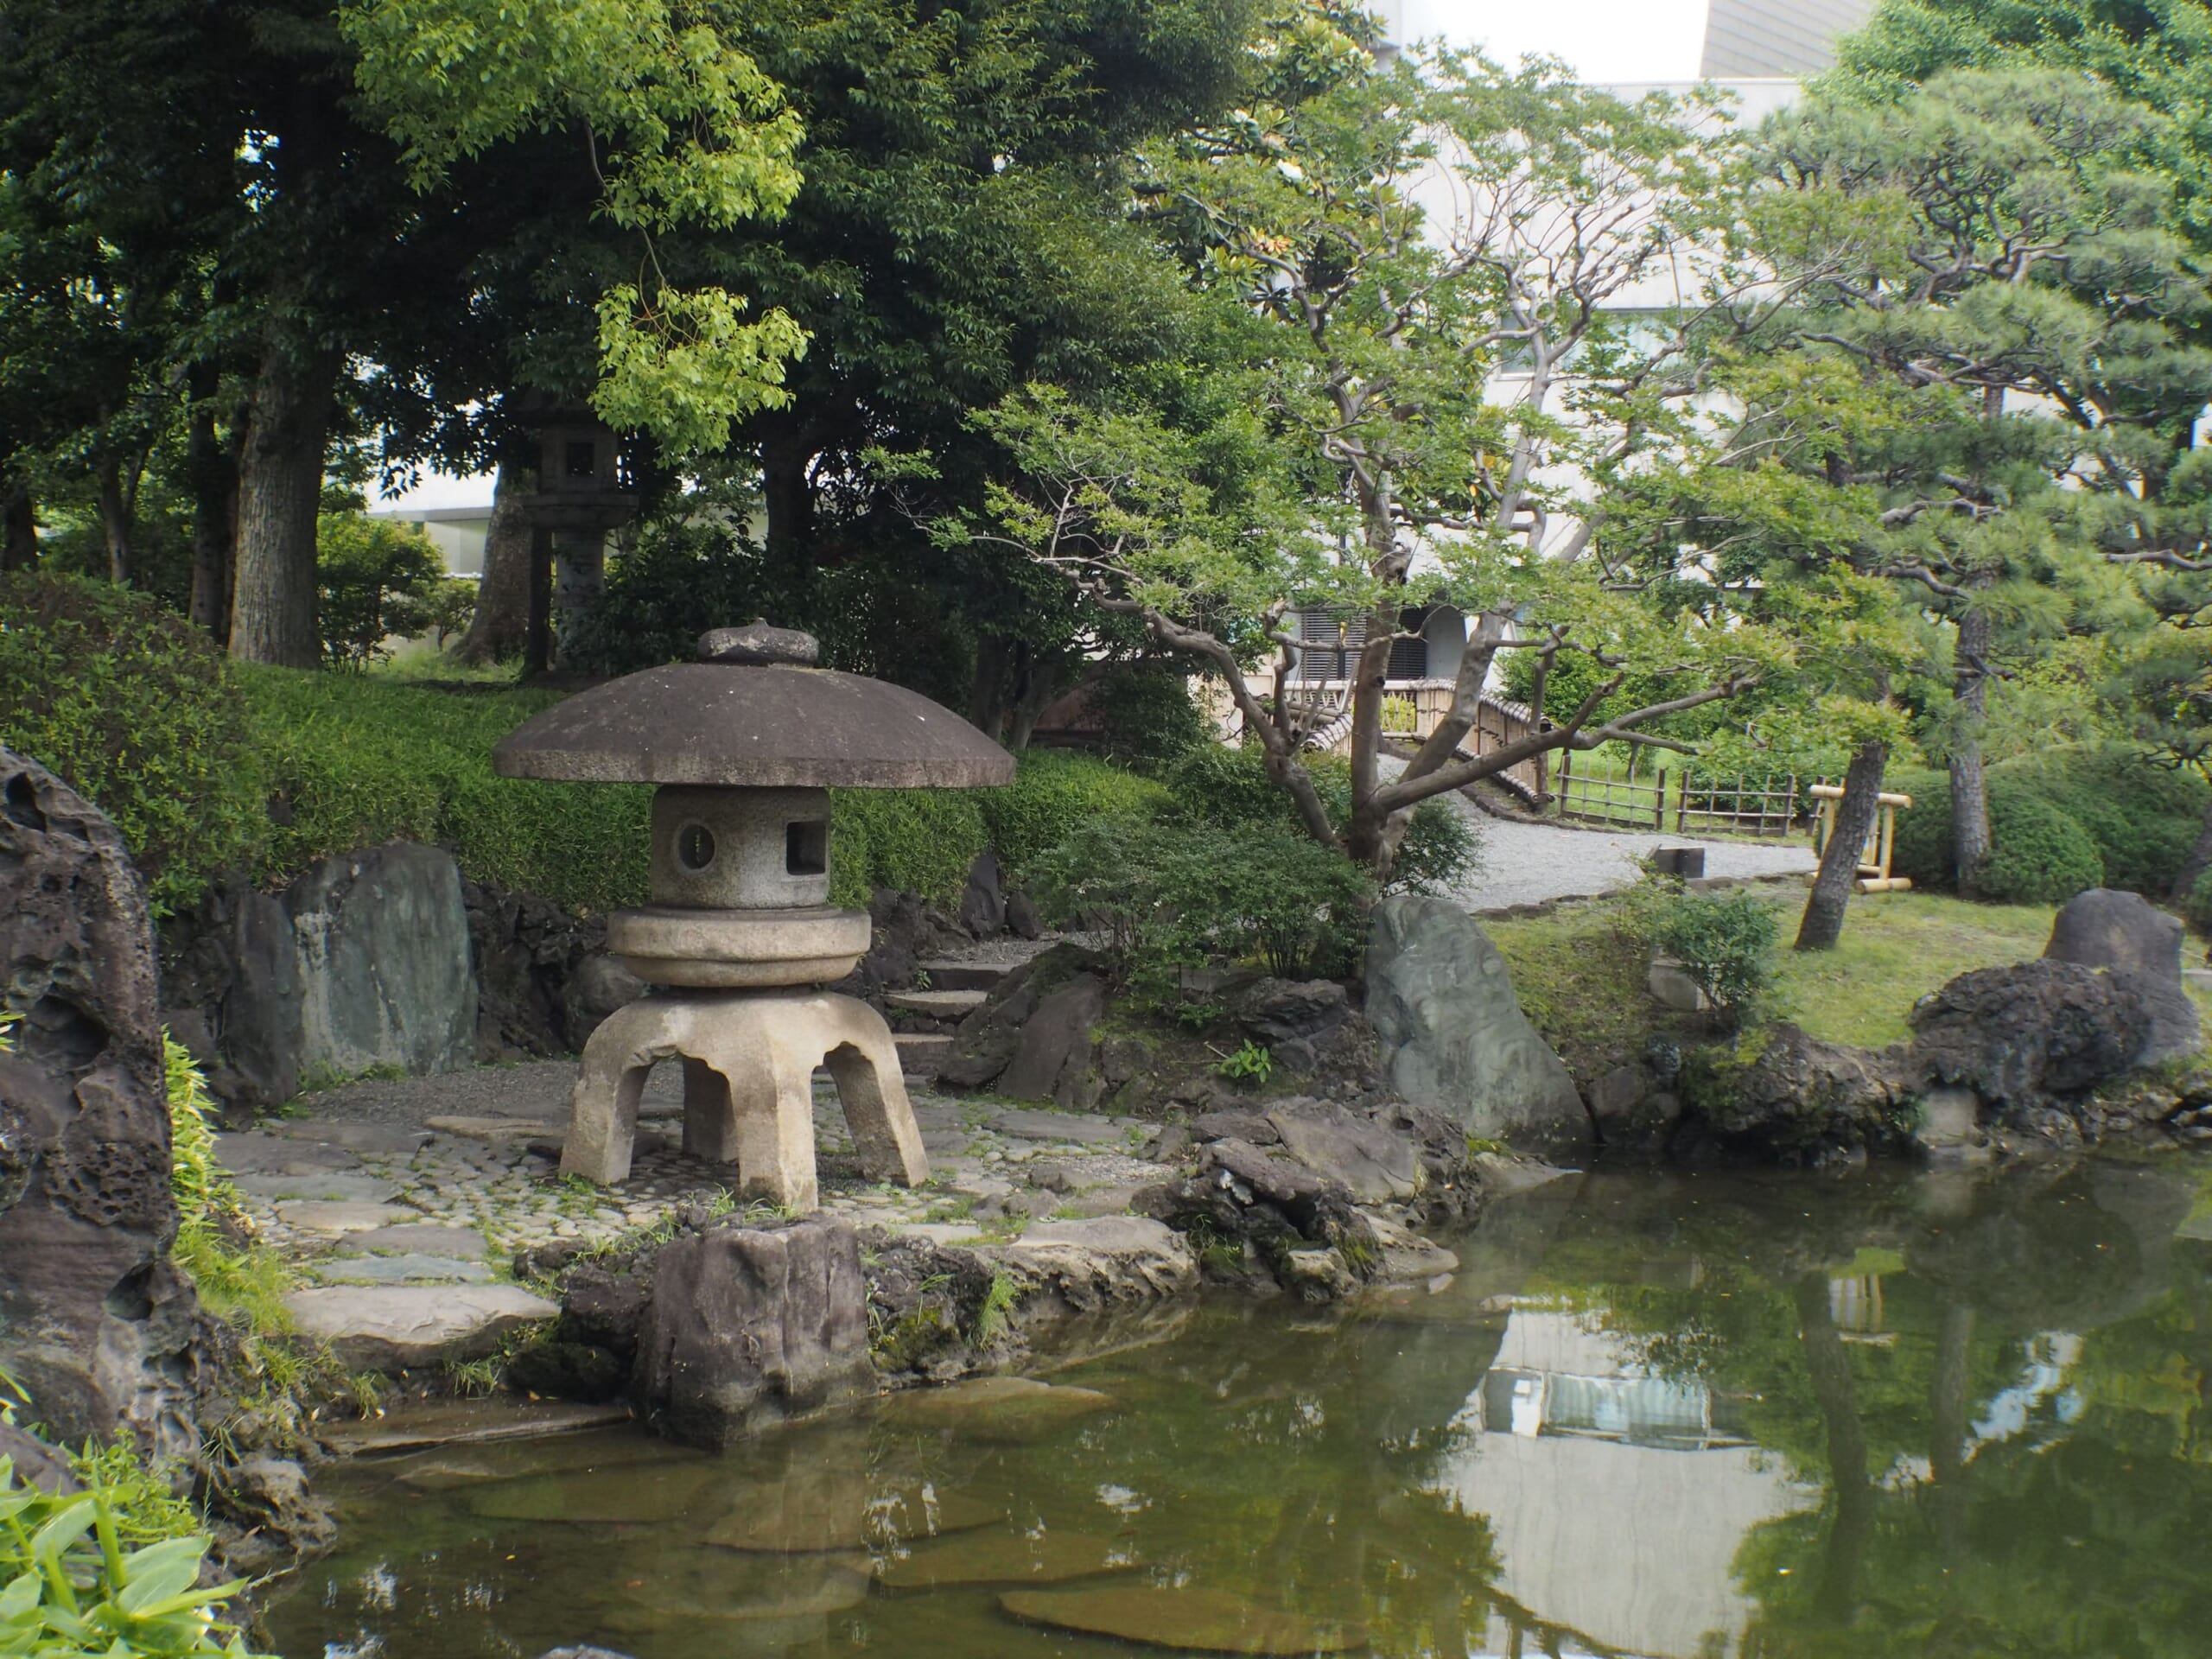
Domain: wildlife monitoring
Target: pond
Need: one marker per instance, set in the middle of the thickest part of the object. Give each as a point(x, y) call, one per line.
point(1684, 1416)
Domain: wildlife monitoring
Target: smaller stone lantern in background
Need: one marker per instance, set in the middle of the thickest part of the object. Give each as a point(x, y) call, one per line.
point(583, 491)
point(745, 745)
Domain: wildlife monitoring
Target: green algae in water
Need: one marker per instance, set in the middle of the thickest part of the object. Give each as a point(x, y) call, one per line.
point(1690, 1417)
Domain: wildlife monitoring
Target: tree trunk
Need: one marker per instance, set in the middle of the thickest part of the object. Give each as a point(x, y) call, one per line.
point(1854, 816)
point(211, 469)
point(115, 519)
point(787, 501)
point(2199, 859)
point(18, 529)
point(1970, 840)
point(987, 699)
point(280, 490)
point(500, 623)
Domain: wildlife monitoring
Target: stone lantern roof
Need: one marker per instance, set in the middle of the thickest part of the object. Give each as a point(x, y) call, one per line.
point(755, 713)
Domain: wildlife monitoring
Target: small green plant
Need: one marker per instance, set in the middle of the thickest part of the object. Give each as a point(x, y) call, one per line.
point(1724, 941)
point(998, 1303)
point(1400, 718)
point(72, 1583)
point(1250, 1064)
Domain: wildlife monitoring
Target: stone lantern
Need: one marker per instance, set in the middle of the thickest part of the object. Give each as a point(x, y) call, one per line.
point(583, 491)
point(745, 745)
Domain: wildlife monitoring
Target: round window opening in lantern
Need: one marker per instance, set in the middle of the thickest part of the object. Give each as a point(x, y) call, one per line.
point(739, 937)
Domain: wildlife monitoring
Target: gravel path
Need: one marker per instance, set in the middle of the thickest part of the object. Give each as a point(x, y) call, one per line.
point(1529, 863)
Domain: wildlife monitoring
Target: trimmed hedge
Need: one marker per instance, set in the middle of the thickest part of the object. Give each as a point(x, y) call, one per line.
point(139, 712)
point(2040, 855)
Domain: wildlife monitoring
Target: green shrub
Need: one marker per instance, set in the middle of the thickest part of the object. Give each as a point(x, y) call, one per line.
point(356, 759)
point(1725, 941)
point(374, 579)
point(1053, 793)
point(139, 712)
point(1174, 898)
point(1147, 716)
point(2038, 855)
point(2197, 907)
point(1229, 788)
point(2139, 819)
point(920, 841)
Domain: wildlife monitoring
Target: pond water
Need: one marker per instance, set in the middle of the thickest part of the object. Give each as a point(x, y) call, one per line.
point(1690, 1417)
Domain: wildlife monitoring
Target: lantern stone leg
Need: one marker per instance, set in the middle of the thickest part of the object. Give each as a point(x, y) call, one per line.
point(749, 1059)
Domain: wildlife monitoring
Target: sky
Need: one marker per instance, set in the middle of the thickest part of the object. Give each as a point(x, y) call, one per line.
point(1601, 40)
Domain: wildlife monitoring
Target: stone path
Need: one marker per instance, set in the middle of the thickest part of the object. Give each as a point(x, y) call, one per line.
point(403, 1204)
point(1530, 863)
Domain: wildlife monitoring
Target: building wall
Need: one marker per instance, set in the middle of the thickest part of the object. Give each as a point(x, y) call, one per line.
point(1776, 37)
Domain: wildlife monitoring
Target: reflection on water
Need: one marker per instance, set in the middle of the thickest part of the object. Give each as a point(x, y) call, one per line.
point(1684, 1417)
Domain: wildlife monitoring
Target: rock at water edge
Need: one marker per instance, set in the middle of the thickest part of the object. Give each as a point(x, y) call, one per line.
point(749, 1326)
point(1453, 1036)
point(406, 1327)
point(386, 976)
point(1192, 1618)
point(94, 1322)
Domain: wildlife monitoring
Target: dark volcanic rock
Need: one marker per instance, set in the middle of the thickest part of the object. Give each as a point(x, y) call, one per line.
point(2123, 932)
point(36, 1463)
point(1788, 1096)
point(2022, 1035)
point(94, 1322)
point(1055, 1041)
point(231, 982)
point(750, 1326)
point(982, 906)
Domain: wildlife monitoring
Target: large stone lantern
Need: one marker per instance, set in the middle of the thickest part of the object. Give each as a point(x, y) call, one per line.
point(745, 745)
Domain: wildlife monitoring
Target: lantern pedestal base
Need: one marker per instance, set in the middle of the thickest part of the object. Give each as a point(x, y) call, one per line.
point(748, 1087)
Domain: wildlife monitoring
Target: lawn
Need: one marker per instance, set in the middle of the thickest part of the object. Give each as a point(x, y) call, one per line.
point(1581, 981)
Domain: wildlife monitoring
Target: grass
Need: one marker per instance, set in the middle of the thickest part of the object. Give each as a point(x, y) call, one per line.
point(1581, 980)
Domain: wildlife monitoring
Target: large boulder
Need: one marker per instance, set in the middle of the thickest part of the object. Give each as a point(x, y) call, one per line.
point(230, 989)
point(2023, 1036)
point(94, 1322)
point(1440, 999)
point(750, 1326)
point(1053, 1051)
point(2124, 934)
point(1784, 1096)
point(385, 974)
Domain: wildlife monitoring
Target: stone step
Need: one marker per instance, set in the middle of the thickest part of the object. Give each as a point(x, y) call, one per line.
point(397, 1327)
point(965, 975)
point(939, 1005)
point(920, 1052)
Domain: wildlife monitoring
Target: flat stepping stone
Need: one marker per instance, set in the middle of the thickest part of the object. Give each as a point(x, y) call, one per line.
point(371, 1140)
point(411, 1269)
point(254, 1153)
point(1013, 1409)
point(943, 1005)
point(628, 1495)
point(495, 1130)
point(1002, 1558)
point(467, 1422)
point(328, 1187)
point(800, 1589)
point(1189, 1620)
point(964, 976)
point(1026, 1123)
point(406, 1327)
point(427, 1238)
point(314, 1216)
point(785, 1522)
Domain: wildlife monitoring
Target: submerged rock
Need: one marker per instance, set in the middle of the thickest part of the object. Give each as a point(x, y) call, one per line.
point(627, 1494)
point(999, 1408)
point(843, 1512)
point(1453, 1036)
point(1191, 1619)
point(1002, 1557)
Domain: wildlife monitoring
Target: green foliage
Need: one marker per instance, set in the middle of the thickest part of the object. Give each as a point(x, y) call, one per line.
point(2197, 907)
point(2040, 855)
point(110, 1572)
point(1253, 1063)
point(2059, 822)
point(139, 712)
point(919, 841)
point(1176, 898)
point(1725, 941)
point(1054, 792)
point(357, 760)
point(240, 1278)
point(1230, 789)
point(1147, 716)
point(374, 579)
